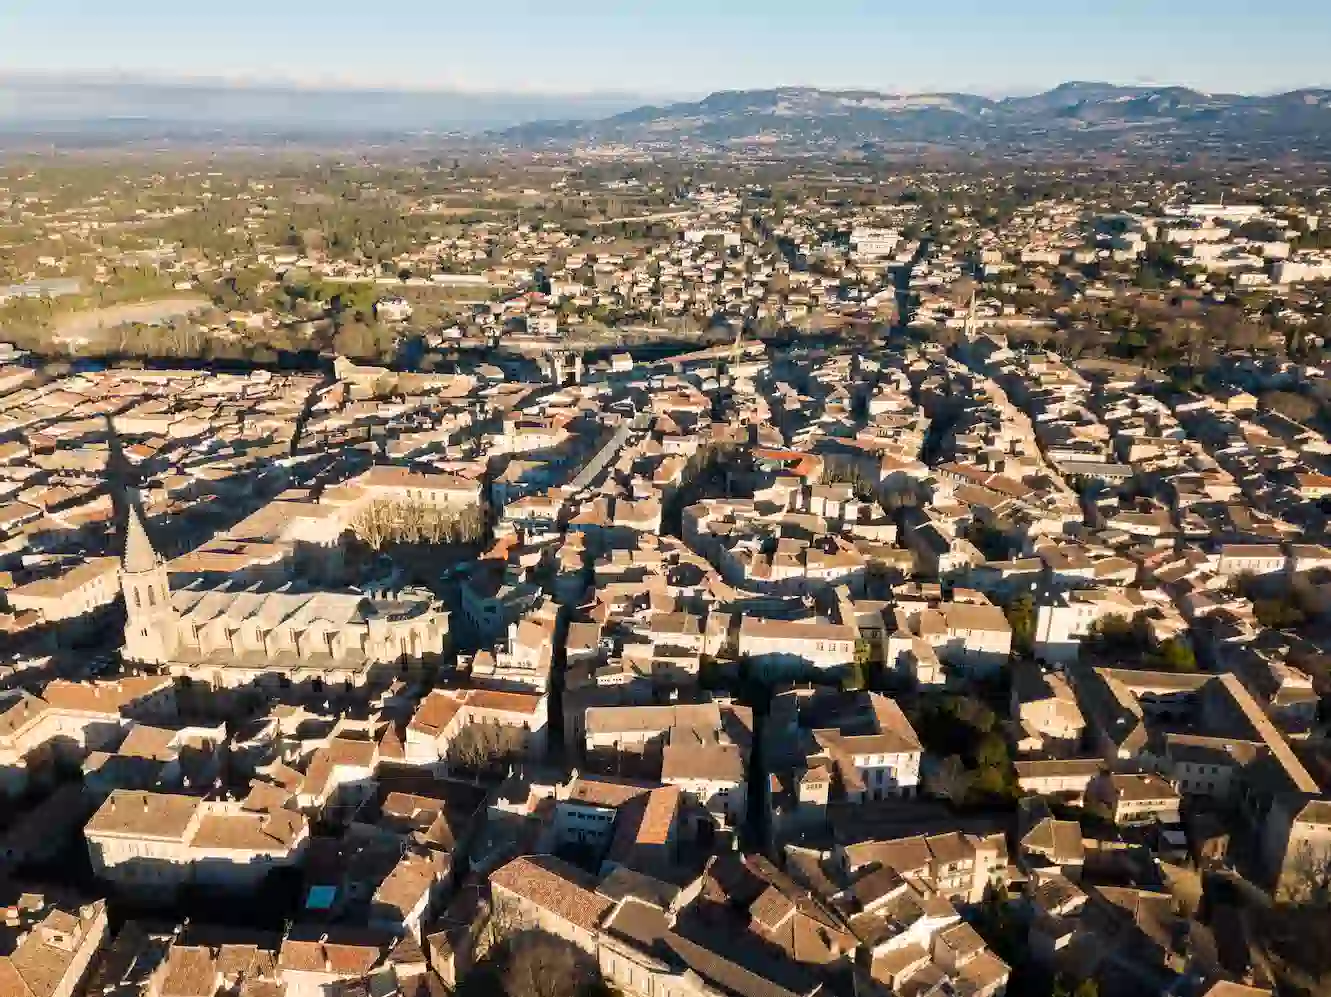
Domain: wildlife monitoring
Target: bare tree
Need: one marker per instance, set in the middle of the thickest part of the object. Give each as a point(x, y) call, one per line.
point(1306, 878)
point(950, 780)
point(504, 922)
point(541, 965)
point(961, 290)
point(485, 748)
point(374, 526)
point(383, 522)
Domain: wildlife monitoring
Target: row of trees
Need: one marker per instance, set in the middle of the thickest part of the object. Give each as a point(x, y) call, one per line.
point(481, 750)
point(387, 521)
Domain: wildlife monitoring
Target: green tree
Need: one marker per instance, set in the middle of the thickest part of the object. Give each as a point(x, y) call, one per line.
point(1066, 986)
point(1020, 614)
point(1174, 655)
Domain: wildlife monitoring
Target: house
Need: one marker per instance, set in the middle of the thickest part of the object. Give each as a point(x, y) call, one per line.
point(827, 747)
point(1295, 838)
point(1133, 798)
point(510, 723)
point(403, 901)
point(779, 647)
point(630, 823)
point(1054, 844)
point(1045, 707)
point(1250, 559)
point(50, 946)
point(157, 841)
point(452, 947)
point(315, 958)
point(76, 596)
point(340, 777)
point(544, 892)
point(70, 720)
point(1208, 767)
point(1064, 779)
point(714, 777)
point(1062, 619)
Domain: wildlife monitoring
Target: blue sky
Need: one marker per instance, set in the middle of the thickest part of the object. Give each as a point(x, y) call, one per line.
point(682, 46)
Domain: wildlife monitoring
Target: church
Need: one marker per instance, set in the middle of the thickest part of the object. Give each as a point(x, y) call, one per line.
point(271, 633)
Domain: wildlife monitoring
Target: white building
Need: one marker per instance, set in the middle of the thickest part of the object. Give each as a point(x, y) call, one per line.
point(1062, 622)
point(443, 715)
point(780, 646)
point(162, 840)
point(874, 241)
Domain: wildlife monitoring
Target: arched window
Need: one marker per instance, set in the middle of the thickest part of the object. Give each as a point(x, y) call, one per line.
point(152, 597)
point(138, 600)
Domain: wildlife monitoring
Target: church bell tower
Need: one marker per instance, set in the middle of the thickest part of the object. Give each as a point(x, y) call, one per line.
point(150, 621)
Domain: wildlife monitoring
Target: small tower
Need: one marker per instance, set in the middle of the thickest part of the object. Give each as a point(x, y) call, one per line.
point(556, 361)
point(150, 621)
point(968, 332)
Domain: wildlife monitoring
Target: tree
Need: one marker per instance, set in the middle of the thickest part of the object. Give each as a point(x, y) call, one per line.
point(1066, 986)
point(1115, 633)
point(1020, 614)
point(485, 749)
point(1306, 878)
point(385, 521)
point(356, 340)
point(1291, 405)
point(374, 526)
point(537, 964)
point(1279, 614)
point(1174, 655)
point(950, 780)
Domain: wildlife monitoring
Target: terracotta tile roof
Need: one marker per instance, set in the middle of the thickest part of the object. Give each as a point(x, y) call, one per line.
point(345, 957)
point(606, 791)
point(102, 697)
point(37, 968)
point(771, 908)
point(555, 886)
point(410, 880)
point(266, 832)
point(504, 702)
point(435, 713)
point(190, 972)
point(712, 762)
point(645, 821)
point(150, 815)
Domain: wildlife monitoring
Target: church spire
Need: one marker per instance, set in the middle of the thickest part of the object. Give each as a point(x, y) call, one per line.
point(139, 553)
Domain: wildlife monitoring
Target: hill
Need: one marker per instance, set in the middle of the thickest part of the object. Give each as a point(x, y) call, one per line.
point(1072, 116)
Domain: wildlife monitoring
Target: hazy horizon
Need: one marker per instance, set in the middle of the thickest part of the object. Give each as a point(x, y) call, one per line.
point(655, 49)
point(118, 77)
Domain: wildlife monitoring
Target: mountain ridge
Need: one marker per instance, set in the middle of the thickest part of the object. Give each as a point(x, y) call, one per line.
point(1077, 113)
